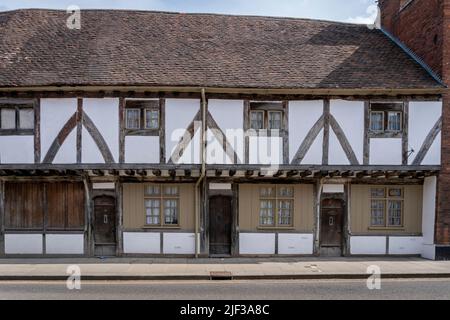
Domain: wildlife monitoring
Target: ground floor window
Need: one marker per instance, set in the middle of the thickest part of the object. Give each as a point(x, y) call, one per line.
point(276, 206)
point(386, 207)
point(161, 204)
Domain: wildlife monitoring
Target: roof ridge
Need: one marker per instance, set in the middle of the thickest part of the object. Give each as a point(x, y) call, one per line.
point(195, 14)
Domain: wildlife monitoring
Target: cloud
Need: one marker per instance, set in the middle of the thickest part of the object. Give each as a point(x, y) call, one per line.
point(370, 18)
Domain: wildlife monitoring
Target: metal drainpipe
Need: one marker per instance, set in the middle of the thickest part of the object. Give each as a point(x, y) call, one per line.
point(202, 174)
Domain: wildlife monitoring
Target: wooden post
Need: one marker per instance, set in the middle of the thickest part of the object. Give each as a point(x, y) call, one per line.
point(326, 132)
point(317, 196)
point(162, 131)
point(88, 223)
point(286, 132)
point(366, 148)
point(119, 203)
point(37, 131)
point(347, 218)
point(121, 130)
point(2, 218)
point(246, 128)
point(79, 128)
point(405, 142)
point(235, 219)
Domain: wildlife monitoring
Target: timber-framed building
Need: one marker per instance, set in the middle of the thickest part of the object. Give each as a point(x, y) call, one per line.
point(167, 134)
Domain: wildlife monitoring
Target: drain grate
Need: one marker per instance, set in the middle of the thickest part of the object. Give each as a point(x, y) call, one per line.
point(220, 276)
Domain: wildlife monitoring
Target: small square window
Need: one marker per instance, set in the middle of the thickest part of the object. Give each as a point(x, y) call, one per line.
point(394, 121)
point(151, 119)
point(275, 120)
point(377, 121)
point(378, 193)
point(133, 117)
point(26, 118)
point(257, 120)
point(395, 192)
point(8, 118)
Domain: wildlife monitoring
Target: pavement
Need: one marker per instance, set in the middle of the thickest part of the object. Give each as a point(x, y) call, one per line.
point(221, 269)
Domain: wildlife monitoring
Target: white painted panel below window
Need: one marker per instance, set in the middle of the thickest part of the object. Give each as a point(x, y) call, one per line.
point(141, 149)
point(405, 245)
point(16, 149)
point(179, 243)
point(64, 244)
point(265, 150)
point(291, 243)
point(23, 244)
point(385, 151)
point(257, 243)
point(142, 242)
point(368, 245)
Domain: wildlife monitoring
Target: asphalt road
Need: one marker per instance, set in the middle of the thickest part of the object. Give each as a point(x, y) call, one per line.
point(232, 290)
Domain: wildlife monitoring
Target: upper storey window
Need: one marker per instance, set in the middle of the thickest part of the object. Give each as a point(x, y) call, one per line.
point(16, 119)
point(266, 116)
point(386, 118)
point(142, 117)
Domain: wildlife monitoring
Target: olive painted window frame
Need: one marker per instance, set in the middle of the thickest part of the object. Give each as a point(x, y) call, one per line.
point(267, 108)
point(161, 197)
point(276, 199)
point(18, 106)
point(143, 106)
point(386, 199)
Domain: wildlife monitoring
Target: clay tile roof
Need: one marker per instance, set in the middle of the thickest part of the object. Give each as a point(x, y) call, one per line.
point(144, 48)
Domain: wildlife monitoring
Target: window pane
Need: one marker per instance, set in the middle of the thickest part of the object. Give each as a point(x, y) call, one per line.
point(286, 192)
point(376, 121)
point(171, 191)
point(285, 213)
point(152, 190)
point(256, 120)
point(266, 214)
point(275, 120)
point(26, 118)
point(8, 118)
point(152, 211)
point(377, 213)
point(395, 192)
point(395, 213)
point(378, 193)
point(151, 119)
point(267, 192)
point(394, 121)
point(171, 212)
point(133, 118)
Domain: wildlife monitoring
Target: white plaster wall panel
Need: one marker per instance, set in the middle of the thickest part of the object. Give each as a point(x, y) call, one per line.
point(385, 151)
point(302, 117)
point(405, 245)
point(141, 149)
point(265, 150)
point(16, 149)
point(105, 115)
point(192, 153)
point(433, 156)
point(67, 153)
point(336, 154)
point(90, 152)
point(179, 243)
point(350, 116)
point(54, 115)
point(142, 242)
point(64, 244)
point(314, 154)
point(229, 116)
point(368, 245)
point(179, 114)
point(214, 152)
point(23, 244)
point(429, 252)
point(422, 118)
point(429, 209)
point(290, 243)
point(257, 243)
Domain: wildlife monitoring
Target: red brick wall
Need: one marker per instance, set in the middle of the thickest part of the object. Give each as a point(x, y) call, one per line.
point(424, 26)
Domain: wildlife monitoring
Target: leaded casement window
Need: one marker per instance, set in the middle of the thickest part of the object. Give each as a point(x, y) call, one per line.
point(17, 118)
point(161, 204)
point(386, 119)
point(142, 117)
point(386, 207)
point(266, 116)
point(276, 206)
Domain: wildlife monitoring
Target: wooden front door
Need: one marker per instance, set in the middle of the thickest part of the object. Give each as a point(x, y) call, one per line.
point(331, 225)
point(105, 220)
point(220, 225)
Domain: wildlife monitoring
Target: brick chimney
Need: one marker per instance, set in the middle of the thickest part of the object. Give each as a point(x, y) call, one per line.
point(424, 27)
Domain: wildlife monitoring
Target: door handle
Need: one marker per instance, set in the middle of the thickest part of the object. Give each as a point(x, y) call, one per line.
point(105, 219)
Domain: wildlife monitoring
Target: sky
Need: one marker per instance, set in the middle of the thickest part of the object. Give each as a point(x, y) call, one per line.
point(355, 11)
